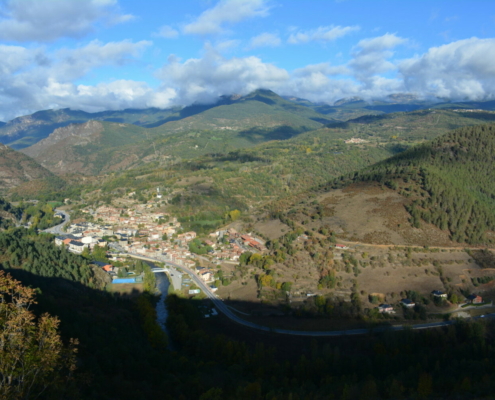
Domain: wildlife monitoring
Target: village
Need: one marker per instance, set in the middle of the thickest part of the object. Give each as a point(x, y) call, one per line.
point(143, 232)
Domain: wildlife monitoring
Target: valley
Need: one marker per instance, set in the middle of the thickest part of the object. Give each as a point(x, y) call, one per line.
point(247, 200)
point(304, 226)
point(285, 193)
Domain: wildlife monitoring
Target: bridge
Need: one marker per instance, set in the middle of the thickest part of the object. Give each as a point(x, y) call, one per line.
point(156, 270)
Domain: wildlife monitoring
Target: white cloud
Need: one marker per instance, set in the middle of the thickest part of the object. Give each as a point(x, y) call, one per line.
point(371, 57)
point(205, 79)
point(122, 94)
point(167, 32)
point(31, 79)
point(323, 68)
point(16, 58)
point(45, 21)
point(323, 33)
point(265, 40)
point(75, 63)
point(227, 45)
point(380, 43)
point(226, 12)
point(460, 70)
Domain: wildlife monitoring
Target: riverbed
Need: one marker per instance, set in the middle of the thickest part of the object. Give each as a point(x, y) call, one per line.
point(162, 284)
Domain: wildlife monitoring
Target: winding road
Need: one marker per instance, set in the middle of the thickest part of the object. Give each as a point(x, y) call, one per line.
point(223, 308)
point(58, 229)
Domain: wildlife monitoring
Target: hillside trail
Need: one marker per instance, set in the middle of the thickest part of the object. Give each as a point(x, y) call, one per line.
point(384, 246)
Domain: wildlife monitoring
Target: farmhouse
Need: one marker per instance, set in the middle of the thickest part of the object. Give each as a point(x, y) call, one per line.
point(438, 293)
point(408, 303)
point(205, 275)
point(385, 308)
point(474, 299)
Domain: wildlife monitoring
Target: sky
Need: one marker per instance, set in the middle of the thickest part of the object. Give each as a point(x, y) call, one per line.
point(97, 55)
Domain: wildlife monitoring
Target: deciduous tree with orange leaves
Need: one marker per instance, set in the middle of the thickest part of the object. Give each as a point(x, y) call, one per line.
point(34, 363)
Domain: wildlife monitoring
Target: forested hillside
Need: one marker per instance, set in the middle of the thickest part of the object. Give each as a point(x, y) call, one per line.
point(36, 254)
point(449, 180)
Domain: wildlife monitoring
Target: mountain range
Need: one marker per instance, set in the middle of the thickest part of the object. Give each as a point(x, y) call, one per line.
point(250, 150)
point(63, 143)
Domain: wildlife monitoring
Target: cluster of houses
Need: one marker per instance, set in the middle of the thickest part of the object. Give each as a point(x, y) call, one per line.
point(141, 219)
point(355, 140)
point(255, 243)
point(238, 243)
point(408, 303)
point(76, 243)
point(143, 231)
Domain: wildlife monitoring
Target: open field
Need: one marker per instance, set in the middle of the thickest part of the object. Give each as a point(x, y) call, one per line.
point(387, 273)
point(372, 213)
point(126, 289)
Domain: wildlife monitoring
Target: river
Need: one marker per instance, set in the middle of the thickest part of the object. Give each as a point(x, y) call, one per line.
point(162, 283)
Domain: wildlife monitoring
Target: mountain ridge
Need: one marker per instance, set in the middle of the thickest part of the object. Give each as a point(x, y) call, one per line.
point(27, 130)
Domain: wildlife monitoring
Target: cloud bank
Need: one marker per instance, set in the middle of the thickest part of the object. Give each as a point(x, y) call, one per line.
point(34, 79)
point(458, 70)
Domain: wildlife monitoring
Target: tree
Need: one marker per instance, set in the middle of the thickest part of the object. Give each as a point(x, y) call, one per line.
point(234, 215)
point(287, 286)
point(33, 359)
point(86, 253)
point(424, 385)
point(100, 253)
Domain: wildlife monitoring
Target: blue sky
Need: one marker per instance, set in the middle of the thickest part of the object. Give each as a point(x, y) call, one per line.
point(96, 55)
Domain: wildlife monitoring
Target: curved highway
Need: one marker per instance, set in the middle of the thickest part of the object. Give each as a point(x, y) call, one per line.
point(222, 307)
point(58, 229)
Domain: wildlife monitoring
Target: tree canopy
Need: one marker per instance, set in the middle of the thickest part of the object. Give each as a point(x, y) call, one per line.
point(33, 359)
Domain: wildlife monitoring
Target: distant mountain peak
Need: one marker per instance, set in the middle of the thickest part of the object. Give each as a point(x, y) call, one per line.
point(264, 92)
point(348, 100)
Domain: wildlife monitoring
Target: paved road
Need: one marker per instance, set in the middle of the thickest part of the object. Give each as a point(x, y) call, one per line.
point(57, 230)
point(175, 275)
point(219, 304)
point(223, 308)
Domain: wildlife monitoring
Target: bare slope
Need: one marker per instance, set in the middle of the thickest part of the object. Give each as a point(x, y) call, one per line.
point(17, 168)
point(436, 193)
point(89, 148)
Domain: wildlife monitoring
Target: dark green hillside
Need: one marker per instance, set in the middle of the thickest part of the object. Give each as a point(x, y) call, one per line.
point(469, 105)
point(115, 358)
point(217, 359)
point(21, 249)
point(240, 179)
point(262, 108)
point(9, 214)
point(450, 180)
